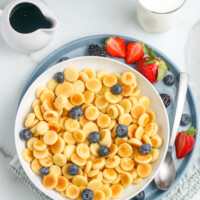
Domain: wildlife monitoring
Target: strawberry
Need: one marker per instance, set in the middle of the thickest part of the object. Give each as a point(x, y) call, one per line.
point(116, 47)
point(153, 68)
point(135, 51)
point(185, 142)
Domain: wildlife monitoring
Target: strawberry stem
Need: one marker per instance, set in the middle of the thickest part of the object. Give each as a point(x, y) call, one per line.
point(151, 53)
point(191, 131)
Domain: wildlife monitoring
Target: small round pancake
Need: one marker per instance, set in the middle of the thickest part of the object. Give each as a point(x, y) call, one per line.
point(112, 162)
point(118, 76)
point(127, 90)
point(139, 133)
point(119, 170)
point(117, 191)
point(88, 166)
point(144, 170)
point(54, 126)
point(47, 95)
point(117, 180)
point(69, 137)
point(72, 191)
point(120, 109)
point(50, 137)
point(39, 91)
point(133, 101)
point(145, 101)
point(83, 151)
point(99, 195)
point(128, 78)
point(113, 150)
point(104, 89)
point(71, 125)
point(47, 105)
point(69, 150)
point(84, 106)
point(103, 120)
point(79, 136)
point(126, 104)
point(38, 112)
point(152, 116)
point(47, 161)
point(126, 179)
point(112, 124)
point(143, 120)
point(29, 120)
point(71, 74)
point(98, 163)
point(119, 140)
point(105, 181)
point(151, 129)
point(90, 72)
point(156, 141)
point(59, 159)
point(35, 166)
point(135, 152)
point(78, 86)
point(101, 74)
point(90, 127)
point(99, 176)
point(51, 84)
point(35, 122)
point(109, 80)
point(50, 115)
point(146, 140)
point(58, 111)
point(136, 91)
point(137, 180)
point(65, 89)
point(83, 120)
point(101, 102)
point(94, 185)
point(40, 154)
point(109, 174)
point(126, 164)
point(79, 180)
point(135, 142)
point(27, 155)
point(65, 112)
point(42, 109)
point(65, 172)
point(62, 183)
point(88, 96)
point(39, 145)
point(62, 122)
point(77, 160)
point(92, 173)
point(50, 181)
point(77, 99)
point(125, 119)
point(133, 173)
point(94, 149)
point(35, 102)
point(91, 113)
point(124, 150)
point(30, 142)
point(131, 130)
point(42, 127)
point(143, 159)
point(137, 111)
point(68, 106)
point(93, 84)
point(112, 111)
point(111, 98)
point(82, 76)
point(105, 137)
point(60, 102)
point(108, 192)
point(58, 147)
point(155, 154)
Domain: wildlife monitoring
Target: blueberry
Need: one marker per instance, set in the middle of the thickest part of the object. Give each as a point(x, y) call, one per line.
point(116, 89)
point(87, 194)
point(63, 59)
point(140, 196)
point(44, 171)
point(94, 137)
point(73, 170)
point(25, 134)
point(76, 112)
point(169, 80)
point(145, 149)
point(103, 151)
point(185, 119)
point(121, 131)
point(60, 77)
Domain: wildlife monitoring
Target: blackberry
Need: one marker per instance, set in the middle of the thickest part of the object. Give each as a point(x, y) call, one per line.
point(166, 99)
point(96, 50)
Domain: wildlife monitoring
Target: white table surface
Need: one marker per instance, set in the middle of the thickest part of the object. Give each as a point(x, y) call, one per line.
point(77, 19)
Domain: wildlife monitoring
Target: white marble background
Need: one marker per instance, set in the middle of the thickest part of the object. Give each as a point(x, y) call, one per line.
point(77, 19)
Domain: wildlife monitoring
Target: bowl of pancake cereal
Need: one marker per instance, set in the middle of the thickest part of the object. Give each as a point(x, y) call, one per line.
point(91, 126)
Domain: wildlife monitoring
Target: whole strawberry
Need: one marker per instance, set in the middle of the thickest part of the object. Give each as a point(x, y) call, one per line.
point(185, 142)
point(153, 68)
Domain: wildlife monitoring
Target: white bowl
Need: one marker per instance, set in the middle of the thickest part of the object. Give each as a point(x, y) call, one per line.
point(97, 63)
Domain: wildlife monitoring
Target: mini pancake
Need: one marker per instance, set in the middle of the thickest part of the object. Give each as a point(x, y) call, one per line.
point(35, 166)
point(69, 137)
point(78, 86)
point(38, 112)
point(124, 150)
point(58, 147)
point(145, 101)
point(112, 162)
point(137, 111)
point(65, 89)
point(59, 159)
point(40, 154)
point(79, 136)
point(47, 95)
point(93, 84)
point(91, 113)
point(58, 111)
point(71, 125)
point(155, 154)
point(136, 91)
point(120, 109)
point(50, 115)
point(88, 96)
point(77, 160)
point(62, 183)
point(35, 102)
point(54, 126)
point(119, 169)
point(68, 106)
point(156, 141)
point(101, 102)
point(109, 174)
point(117, 190)
point(33, 131)
point(47, 105)
point(126, 179)
point(135, 152)
point(39, 145)
point(51, 84)
point(60, 102)
point(27, 155)
point(72, 191)
point(133, 173)
point(125, 119)
point(128, 78)
point(146, 140)
point(109, 80)
point(65, 112)
point(143, 159)
point(126, 164)
point(118, 76)
point(127, 90)
point(113, 132)
point(113, 150)
point(69, 150)
point(94, 149)
point(133, 101)
point(101, 74)
point(82, 76)
point(79, 180)
point(30, 142)
point(29, 120)
point(47, 161)
point(144, 170)
point(111, 98)
point(134, 121)
point(65, 172)
point(117, 180)
point(77, 99)
point(143, 120)
point(35, 122)
point(50, 137)
point(131, 130)
point(103, 120)
point(98, 163)
point(71, 74)
point(104, 89)
point(50, 181)
point(90, 127)
point(88, 166)
point(107, 192)
point(152, 116)
point(151, 129)
point(135, 142)
point(39, 91)
point(99, 195)
point(90, 72)
point(119, 140)
point(105, 137)
point(83, 120)
point(84, 106)
point(81, 188)
point(63, 193)
point(83, 151)
point(42, 127)
point(94, 185)
point(137, 180)
point(92, 173)
point(112, 111)
point(42, 109)
point(126, 104)
point(99, 176)
point(139, 133)
point(62, 122)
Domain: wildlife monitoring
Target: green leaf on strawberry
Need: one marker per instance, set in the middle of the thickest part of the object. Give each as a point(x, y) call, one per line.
point(191, 131)
point(162, 70)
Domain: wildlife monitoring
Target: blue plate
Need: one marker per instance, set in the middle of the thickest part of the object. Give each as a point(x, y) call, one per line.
point(80, 47)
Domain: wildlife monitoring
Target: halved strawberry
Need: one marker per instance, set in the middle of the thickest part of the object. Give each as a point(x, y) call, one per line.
point(135, 51)
point(116, 47)
point(185, 142)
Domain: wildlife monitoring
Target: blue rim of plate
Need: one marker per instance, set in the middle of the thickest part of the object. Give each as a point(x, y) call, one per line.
point(47, 62)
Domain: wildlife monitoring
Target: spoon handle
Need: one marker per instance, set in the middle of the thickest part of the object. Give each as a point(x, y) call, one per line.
point(182, 91)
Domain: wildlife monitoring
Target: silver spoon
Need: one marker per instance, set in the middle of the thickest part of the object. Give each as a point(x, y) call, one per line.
point(167, 173)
